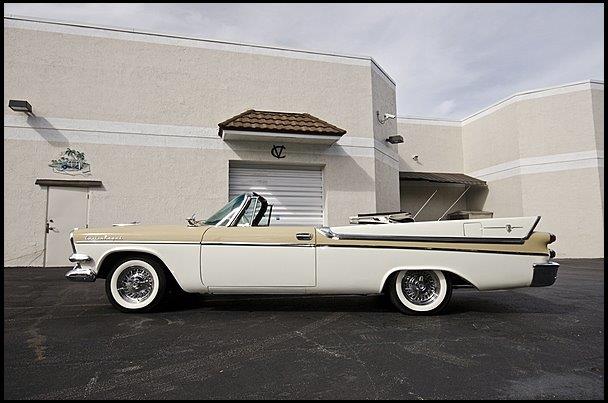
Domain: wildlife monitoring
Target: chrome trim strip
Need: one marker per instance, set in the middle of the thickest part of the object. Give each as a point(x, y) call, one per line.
point(139, 242)
point(79, 257)
point(433, 249)
point(408, 238)
point(549, 264)
point(328, 232)
point(256, 244)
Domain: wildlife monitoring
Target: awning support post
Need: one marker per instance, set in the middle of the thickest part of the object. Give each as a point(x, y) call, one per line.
point(427, 202)
point(453, 204)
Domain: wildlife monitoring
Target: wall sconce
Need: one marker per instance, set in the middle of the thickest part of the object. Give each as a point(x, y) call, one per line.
point(386, 117)
point(20, 106)
point(398, 139)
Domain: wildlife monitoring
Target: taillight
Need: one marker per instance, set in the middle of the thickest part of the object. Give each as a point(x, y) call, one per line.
point(551, 253)
point(552, 238)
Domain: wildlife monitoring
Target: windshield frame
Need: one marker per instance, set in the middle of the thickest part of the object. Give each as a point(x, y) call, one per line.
point(234, 215)
point(228, 219)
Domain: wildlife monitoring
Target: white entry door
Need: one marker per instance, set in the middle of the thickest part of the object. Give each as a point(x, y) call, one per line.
point(66, 210)
point(296, 192)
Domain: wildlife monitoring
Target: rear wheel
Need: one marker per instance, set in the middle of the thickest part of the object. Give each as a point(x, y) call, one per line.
point(420, 292)
point(136, 284)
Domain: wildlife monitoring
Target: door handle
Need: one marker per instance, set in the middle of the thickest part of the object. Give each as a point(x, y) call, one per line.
point(48, 226)
point(304, 236)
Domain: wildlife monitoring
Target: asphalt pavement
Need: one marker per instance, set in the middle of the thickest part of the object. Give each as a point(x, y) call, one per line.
point(64, 340)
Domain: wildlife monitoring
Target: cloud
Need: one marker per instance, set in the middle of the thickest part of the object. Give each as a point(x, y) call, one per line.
point(448, 60)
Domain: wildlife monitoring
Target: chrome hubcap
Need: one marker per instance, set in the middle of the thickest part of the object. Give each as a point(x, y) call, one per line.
point(135, 284)
point(420, 287)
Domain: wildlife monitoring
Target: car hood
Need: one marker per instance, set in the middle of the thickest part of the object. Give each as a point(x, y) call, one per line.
point(141, 233)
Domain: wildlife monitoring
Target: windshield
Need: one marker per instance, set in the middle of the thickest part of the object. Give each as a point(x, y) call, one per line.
point(223, 215)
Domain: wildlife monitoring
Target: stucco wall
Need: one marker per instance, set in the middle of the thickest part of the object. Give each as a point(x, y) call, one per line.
point(386, 154)
point(437, 145)
point(84, 77)
point(144, 109)
point(540, 155)
point(597, 98)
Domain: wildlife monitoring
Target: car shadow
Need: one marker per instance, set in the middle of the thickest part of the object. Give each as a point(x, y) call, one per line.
point(462, 302)
point(503, 302)
point(304, 303)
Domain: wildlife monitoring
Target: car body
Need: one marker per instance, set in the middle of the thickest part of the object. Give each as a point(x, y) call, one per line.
point(416, 263)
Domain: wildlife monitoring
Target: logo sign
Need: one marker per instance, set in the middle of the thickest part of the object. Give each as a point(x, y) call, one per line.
point(72, 162)
point(278, 151)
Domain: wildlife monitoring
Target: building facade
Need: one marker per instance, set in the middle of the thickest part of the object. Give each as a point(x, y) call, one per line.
point(541, 152)
point(124, 127)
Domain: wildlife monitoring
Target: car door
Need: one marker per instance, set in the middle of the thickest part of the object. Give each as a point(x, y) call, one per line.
point(257, 258)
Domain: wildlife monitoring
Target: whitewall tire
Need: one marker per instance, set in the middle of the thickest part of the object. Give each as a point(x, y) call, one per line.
point(420, 292)
point(136, 284)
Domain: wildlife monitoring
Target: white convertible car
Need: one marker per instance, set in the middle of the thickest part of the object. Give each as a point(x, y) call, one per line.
point(417, 264)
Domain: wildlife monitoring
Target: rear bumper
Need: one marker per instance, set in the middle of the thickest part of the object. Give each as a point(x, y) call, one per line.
point(545, 274)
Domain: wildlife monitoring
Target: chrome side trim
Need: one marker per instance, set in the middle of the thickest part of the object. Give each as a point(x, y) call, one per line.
point(413, 238)
point(426, 248)
point(139, 242)
point(79, 257)
point(256, 244)
point(328, 232)
point(81, 274)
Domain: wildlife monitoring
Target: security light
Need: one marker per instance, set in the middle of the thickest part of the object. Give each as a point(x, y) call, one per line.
point(20, 106)
point(384, 118)
point(395, 139)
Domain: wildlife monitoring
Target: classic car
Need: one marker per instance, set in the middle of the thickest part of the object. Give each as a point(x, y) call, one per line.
point(236, 251)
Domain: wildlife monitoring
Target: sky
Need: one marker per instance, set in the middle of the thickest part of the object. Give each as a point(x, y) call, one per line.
point(448, 60)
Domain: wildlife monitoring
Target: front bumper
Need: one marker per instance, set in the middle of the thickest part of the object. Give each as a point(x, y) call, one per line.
point(545, 274)
point(79, 273)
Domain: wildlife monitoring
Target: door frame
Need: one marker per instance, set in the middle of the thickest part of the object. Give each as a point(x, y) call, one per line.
point(48, 183)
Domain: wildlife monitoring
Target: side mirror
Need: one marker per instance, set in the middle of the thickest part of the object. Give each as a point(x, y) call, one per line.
point(192, 220)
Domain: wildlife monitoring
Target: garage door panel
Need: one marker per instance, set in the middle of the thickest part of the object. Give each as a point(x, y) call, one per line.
point(296, 192)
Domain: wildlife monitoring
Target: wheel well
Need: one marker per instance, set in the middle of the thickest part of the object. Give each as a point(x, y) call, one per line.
point(109, 261)
point(455, 279)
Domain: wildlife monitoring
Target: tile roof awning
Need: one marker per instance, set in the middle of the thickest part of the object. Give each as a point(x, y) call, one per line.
point(441, 178)
point(279, 126)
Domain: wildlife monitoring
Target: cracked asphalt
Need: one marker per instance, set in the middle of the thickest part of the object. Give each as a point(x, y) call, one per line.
point(63, 340)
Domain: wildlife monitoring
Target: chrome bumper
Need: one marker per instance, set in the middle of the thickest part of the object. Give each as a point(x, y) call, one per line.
point(545, 274)
point(79, 273)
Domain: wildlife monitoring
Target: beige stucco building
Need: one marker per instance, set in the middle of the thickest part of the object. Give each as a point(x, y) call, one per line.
point(144, 109)
point(541, 152)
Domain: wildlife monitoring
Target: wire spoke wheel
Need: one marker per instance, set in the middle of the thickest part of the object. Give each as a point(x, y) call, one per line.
point(420, 287)
point(135, 284)
point(420, 292)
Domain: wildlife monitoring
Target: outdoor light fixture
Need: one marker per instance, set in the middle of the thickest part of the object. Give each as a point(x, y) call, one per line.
point(20, 106)
point(386, 117)
point(398, 139)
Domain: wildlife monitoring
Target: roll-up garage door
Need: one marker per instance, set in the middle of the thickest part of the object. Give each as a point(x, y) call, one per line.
point(295, 191)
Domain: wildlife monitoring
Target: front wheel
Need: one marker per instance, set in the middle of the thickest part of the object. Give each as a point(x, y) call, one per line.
point(136, 284)
point(420, 292)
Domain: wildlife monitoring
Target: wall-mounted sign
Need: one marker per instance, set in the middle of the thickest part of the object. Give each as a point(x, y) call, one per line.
point(278, 151)
point(72, 162)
